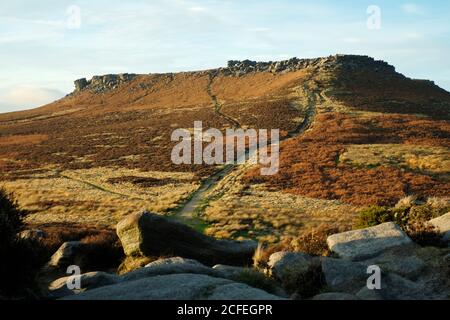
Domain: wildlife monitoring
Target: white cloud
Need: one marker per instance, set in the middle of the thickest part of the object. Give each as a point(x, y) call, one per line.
point(412, 8)
point(28, 97)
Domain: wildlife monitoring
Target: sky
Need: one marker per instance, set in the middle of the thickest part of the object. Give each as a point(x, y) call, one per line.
point(45, 45)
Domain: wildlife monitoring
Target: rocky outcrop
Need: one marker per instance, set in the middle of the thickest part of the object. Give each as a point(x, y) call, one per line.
point(104, 83)
point(361, 244)
point(341, 62)
point(149, 234)
point(176, 287)
point(99, 84)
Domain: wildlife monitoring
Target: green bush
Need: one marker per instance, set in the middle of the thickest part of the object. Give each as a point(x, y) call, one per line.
point(374, 216)
point(413, 220)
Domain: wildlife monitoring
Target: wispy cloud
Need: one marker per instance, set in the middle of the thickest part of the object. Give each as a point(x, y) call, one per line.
point(27, 97)
point(412, 8)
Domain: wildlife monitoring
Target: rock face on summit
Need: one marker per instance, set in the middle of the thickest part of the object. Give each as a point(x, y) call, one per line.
point(150, 234)
point(337, 61)
point(99, 84)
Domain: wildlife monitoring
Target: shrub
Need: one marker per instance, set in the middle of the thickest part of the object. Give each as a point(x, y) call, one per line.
point(413, 220)
point(256, 279)
point(103, 251)
point(314, 241)
point(374, 216)
point(305, 285)
point(439, 203)
point(20, 259)
point(406, 202)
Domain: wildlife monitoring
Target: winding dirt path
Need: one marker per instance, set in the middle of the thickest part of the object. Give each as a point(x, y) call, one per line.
point(190, 211)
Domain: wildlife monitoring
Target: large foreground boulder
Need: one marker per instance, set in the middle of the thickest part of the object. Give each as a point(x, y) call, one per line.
point(91, 280)
point(176, 287)
point(366, 243)
point(149, 234)
point(169, 266)
point(284, 265)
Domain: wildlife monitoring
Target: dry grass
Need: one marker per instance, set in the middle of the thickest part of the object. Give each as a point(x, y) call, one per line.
point(22, 139)
point(310, 165)
point(237, 210)
point(88, 196)
point(424, 159)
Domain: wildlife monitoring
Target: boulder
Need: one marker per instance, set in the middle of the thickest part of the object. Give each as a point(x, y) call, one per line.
point(228, 271)
point(91, 280)
point(169, 266)
point(397, 260)
point(443, 224)
point(154, 235)
point(394, 287)
point(366, 243)
point(68, 254)
point(175, 287)
point(343, 275)
point(335, 296)
point(283, 265)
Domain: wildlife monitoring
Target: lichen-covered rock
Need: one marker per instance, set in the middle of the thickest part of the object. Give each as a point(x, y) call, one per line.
point(91, 280)
point(443, 224)
point(335, 296)
point(344, 276)
point(154, 235)
point(169, 266)
point(366, 243)
point(176, 287)
point(66, 255)
point(284, 265)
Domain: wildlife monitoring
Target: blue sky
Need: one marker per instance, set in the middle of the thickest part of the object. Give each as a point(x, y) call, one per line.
point(43, 49)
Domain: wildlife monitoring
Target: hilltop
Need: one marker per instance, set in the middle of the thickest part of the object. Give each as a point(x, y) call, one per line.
point(356, 133)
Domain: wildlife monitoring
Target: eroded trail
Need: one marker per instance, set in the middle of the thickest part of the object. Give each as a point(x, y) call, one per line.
point(217, 105)
point(190, 212)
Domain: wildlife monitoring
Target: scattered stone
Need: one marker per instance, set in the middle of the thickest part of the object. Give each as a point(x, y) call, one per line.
point(366, 243)
point(66, 255)
point(443, 224)
point(169, 266)
point(228, 271)
point(88, 281)
point(335, 296)
point(397, 260)
point(343, 275)
point(394, 287)
point(147, 234)
point(175, 287)
point(286, 264)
